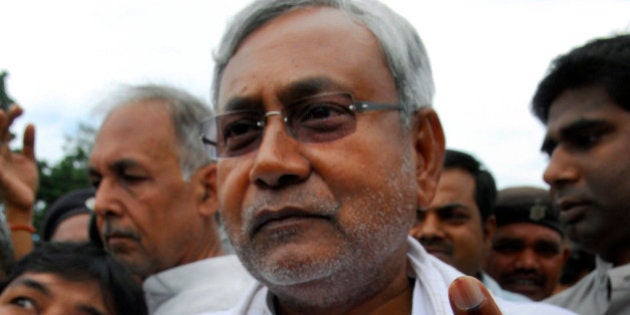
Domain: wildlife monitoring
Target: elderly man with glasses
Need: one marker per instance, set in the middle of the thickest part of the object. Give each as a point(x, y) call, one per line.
point(326, 146)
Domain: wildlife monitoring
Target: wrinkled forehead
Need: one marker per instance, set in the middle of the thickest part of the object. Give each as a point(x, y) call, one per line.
point(316, 42)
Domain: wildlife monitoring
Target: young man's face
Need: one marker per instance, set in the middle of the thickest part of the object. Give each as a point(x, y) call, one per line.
point(451, 227)
point(588, 142)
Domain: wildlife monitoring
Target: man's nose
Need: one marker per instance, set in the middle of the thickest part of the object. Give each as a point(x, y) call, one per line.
point(561, 169)
point(279, 160)
point(429, 227)
point(106, 199)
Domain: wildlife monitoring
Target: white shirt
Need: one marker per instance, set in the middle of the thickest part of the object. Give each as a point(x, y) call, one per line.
point(205, 285)
point(430, 293)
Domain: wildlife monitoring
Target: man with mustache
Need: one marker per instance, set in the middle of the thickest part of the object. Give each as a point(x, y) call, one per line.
point(156, 201)
point(457, 227)
point(528, 247)
point(326, 146)
point(584, 102)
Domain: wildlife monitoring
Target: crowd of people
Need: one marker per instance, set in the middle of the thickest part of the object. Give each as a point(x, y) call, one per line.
point(347, 202)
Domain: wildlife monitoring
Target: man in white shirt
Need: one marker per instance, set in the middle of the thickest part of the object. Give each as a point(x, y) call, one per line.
point(458, 226)
point(156, 201)
point(585, 106)
point(326, 146)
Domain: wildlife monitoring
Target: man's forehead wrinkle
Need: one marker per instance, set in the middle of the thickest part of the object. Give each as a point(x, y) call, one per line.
point(306, 87)
point(290, 26)
point(240, 103)
point(293, 91)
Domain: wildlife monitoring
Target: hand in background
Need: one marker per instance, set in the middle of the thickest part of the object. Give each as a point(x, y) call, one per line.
point(18, 181)
point(18, 170)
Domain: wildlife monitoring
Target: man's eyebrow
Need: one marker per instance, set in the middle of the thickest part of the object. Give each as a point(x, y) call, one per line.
point(307, 87)
point(33, 284)
point(571, 130)
point(450, 206)
point(241, 103)
point(443, 208)
point(548, 145)
point(88, 309)
point(582, 124)
point(123, 164)
point(294, 91)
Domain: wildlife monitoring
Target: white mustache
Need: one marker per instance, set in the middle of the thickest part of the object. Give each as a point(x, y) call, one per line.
point(300, 201)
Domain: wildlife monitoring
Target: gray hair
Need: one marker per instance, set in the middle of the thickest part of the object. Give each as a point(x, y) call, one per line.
point(186, 113)
point(405, 54)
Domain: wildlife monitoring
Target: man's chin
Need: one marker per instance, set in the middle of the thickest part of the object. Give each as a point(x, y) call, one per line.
point(443, 257)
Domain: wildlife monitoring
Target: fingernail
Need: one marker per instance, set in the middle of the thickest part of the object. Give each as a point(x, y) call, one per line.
point(466, 293)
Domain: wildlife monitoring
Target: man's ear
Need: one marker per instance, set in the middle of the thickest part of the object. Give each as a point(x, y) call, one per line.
point(489, 228)
point(206, 190)
point(429, 145)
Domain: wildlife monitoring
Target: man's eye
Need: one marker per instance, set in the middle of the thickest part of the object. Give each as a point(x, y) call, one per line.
point(321, 111)
point(132, 177)
point(24, 302)
point(507, 247)
point(240, 134)
point(586, 140)
point(95, 182)
point(547, 250)
point(454, 216)
point(240, 127)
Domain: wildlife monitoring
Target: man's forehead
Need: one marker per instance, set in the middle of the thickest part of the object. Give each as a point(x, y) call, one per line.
point(527, 230)
point(310, 35)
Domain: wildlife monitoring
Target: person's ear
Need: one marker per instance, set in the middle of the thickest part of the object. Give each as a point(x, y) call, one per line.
point(429, 145)
point(489, 229)
point(206, 190)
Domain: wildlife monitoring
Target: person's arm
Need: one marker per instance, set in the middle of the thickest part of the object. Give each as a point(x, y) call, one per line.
point(18, 182)
point(468, 296)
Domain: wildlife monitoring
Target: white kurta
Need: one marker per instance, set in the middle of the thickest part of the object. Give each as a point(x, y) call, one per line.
point(211, 284)
point(430, 294)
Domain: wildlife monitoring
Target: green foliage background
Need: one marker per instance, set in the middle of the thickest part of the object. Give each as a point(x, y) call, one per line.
point(70, 173)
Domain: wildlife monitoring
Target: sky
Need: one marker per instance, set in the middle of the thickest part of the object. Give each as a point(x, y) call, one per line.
point(64, 57)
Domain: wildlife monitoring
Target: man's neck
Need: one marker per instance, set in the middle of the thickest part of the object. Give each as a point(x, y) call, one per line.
point(394, 297)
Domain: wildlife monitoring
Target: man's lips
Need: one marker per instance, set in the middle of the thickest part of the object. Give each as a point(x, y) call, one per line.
point(438, 250)
point(117, 235)
point(572, 210)
point(524, 279)
point(523, 283)
point(285, 217)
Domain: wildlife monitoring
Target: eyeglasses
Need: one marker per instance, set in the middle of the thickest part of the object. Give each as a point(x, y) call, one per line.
point(318, 118)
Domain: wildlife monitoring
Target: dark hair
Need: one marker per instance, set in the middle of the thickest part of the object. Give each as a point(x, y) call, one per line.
point(602, 62)
point(66, 206)
point(84, 262)
point(485, 187)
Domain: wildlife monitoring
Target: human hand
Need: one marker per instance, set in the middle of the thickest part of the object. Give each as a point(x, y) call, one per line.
point(18, 170)
point(468, 296)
